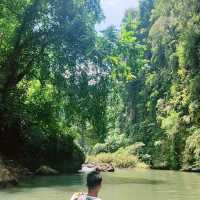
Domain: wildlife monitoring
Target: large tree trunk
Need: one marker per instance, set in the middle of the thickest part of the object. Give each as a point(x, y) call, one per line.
point(11, 141)
point(13, 69)
point(10, 138)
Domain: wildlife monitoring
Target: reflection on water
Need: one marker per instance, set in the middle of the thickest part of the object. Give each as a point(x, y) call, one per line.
point(121, 185)
point(133, 180)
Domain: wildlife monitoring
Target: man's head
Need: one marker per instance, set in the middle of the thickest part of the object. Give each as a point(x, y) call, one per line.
point(94, 180)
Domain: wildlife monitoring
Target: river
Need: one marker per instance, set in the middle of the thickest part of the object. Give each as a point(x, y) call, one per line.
point(121, 185)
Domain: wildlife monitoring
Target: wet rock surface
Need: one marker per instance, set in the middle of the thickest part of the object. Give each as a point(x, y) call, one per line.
point(11, 172)
point(102, 167)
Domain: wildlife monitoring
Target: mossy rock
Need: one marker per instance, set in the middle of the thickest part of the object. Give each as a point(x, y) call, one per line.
point(46, 171)
point(7, 178)
point(68, 158)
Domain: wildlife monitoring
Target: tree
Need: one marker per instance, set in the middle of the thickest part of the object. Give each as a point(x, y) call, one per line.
point(31, 45)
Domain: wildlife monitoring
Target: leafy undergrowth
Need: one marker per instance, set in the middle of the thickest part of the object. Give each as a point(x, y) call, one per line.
point(119, 159)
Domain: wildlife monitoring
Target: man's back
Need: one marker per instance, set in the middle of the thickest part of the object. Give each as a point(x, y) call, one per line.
point(81, 196)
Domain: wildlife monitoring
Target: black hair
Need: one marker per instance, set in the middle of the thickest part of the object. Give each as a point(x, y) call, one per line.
point(94, 179)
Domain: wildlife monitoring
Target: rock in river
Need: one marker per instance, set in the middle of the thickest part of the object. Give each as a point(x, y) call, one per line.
point(102, 167)
point(46, 171)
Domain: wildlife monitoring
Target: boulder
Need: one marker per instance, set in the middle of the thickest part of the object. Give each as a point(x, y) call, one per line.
point(190, 169)
point(102, 167)
point(7, 178)
point(46, 171)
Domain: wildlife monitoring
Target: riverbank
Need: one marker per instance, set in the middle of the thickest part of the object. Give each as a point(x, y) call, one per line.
point(11, 172)
point(120, 159)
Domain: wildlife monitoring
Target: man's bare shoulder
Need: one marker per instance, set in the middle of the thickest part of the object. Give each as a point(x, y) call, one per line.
point(77, 195)
point(83, 196)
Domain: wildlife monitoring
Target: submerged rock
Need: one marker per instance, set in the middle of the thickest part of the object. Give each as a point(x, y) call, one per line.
point(46, 171)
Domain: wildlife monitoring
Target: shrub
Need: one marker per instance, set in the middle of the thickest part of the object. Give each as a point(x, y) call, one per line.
point(192, 150)
point(100, 148)
point(125, 160)
point(101, 158)
point(115, 141)
point(120, 159)
point(112, 143)
point(136, 149)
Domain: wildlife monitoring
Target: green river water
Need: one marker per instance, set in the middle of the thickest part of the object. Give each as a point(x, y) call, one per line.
point(121, 185)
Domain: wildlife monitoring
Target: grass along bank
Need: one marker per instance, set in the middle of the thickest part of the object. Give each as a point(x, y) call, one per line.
point(122, 158)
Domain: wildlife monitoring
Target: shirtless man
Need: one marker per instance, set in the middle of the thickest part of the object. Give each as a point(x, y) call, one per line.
point(94, 180)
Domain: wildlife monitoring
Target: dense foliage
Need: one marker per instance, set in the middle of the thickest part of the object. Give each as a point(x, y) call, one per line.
point(160, 44)
point(65, 89)
point(51, 79)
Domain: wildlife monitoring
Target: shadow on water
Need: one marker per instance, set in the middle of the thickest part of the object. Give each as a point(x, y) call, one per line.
point(52, 181)
point(80, 180)
point(131, 180)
